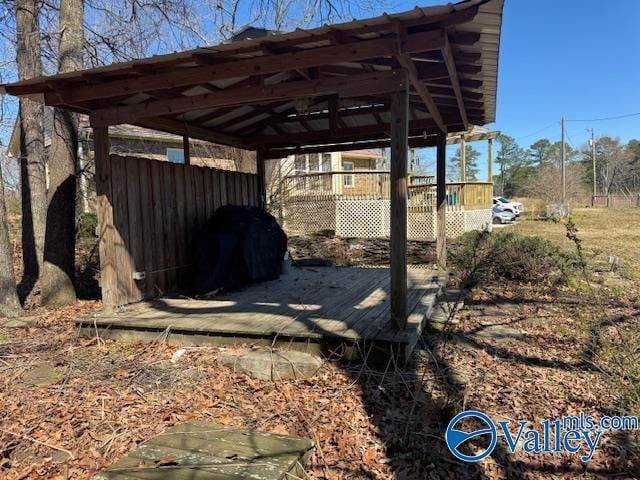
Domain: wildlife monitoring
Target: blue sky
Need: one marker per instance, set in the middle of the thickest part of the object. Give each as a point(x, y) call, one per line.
point(577, 58)
point(580, 59)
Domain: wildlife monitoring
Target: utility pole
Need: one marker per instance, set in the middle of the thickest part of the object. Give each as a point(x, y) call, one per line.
point(562, 170)
point(463, 159)
point(593, 160)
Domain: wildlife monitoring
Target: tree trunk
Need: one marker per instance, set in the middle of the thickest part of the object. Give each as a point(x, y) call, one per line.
point(9, 304)
point(32, 159)
point(59, 254)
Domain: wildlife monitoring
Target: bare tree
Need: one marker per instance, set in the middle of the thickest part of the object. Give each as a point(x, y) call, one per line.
point(33, 160)
point(59, 254)
point(614, 161)
point(9, 304)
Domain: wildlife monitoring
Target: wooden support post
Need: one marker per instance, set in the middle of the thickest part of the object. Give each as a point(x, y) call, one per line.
point(399, 151)
point(186, 150)
point(262, 186)
point(104, 209)
point(441, 200)
point(490, 160)
point(463, 159)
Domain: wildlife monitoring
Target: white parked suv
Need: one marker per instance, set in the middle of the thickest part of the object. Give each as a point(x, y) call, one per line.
point(514, 207)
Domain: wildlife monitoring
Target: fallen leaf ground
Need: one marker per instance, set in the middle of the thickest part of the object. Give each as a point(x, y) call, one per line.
point(388, 422)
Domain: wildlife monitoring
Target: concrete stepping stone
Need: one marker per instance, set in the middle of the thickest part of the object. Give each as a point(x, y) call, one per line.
point(43, 375)
point(20, 322)
point(501, 333)
point(207, 451)
point(272, 365)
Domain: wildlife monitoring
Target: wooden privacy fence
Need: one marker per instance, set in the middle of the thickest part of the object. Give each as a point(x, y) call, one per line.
point(155, 209)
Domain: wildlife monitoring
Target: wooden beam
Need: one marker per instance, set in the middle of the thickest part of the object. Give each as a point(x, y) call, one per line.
point(441, 200)
point(179, 128)
point(259, 65)
point(415, 141)
point(254, 112)
point(104, 210)
point(416, 127)
point(284, 117)
point(421, 88)
point(186, 150)
point(373, 83)
point(490, 159)
point(262, 184)
point(455, 81)
point(463, 159)
point(398, 180)
point(333, 112)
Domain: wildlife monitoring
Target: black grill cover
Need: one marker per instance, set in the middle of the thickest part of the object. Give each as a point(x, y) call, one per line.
point(238, 245)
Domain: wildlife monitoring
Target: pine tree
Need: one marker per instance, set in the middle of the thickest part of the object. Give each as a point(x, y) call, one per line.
point(471, 164)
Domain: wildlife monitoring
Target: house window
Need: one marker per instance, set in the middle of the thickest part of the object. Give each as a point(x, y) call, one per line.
point(347, 180)
point(313, 162)
point(300, 163)
point(175, 155)
point(326, 162)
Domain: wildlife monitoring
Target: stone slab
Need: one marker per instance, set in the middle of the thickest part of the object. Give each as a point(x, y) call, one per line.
point(272, 365)
point(207, 451)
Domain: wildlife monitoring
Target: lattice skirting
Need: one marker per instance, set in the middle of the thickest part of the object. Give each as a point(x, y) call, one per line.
point(363, 218)
point(304, 216)
point(480, 219)
point(371, 219)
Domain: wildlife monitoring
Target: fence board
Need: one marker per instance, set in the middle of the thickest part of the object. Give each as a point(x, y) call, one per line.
point(223, 188)
point(147, 224)
point(157, 275)
point(136, 239)
point(169, 223)
point(182, 241)
point(155, 209)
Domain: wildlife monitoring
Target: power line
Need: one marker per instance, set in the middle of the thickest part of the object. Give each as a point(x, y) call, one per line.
point(627, 115)
point(569, 141)
point(538, 131)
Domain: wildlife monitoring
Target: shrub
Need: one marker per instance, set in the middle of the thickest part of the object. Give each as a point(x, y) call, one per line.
point(86, 225)
point(483, 257)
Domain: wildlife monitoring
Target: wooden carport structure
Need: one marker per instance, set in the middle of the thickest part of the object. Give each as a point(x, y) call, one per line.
point(400, 81)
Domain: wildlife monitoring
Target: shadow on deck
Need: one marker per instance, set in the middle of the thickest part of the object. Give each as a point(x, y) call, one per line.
point(334, 311)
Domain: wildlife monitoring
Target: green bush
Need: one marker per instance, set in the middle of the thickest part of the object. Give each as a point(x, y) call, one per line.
point(86, 225)
point(483, 257)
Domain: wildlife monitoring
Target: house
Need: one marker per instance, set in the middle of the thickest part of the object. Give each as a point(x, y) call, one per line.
point(136, 141)
point(326, 173)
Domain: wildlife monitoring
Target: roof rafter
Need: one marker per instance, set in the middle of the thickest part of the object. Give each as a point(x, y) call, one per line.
point(421, 89)
point(363, 133)
point(179, 128)
point(252, 66)
point(373, 83)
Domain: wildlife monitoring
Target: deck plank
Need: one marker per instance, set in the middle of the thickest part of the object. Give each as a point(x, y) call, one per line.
point(318, 304)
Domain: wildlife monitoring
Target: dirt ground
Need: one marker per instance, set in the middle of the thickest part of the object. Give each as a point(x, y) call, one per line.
point(72, 405)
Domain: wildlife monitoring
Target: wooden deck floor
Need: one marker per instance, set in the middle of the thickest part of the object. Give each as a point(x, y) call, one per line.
point(324, 306)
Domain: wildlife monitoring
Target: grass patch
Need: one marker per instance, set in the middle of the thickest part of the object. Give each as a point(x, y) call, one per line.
point(604, 232)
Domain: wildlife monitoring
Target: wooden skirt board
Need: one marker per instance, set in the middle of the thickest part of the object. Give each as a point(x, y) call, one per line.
point(313, 304)
point(206, 451)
